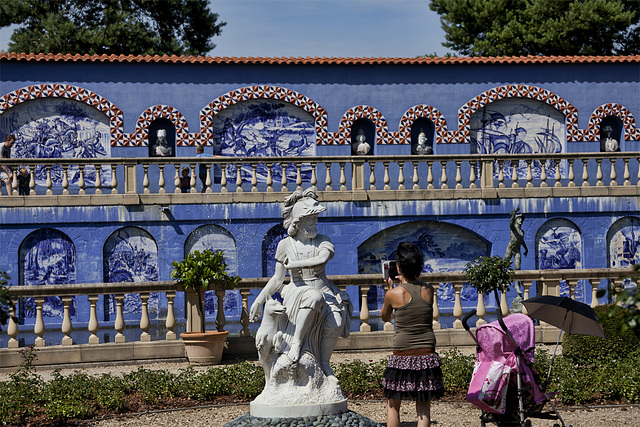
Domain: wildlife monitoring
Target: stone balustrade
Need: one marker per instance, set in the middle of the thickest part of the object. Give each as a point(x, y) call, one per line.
point(251, 179)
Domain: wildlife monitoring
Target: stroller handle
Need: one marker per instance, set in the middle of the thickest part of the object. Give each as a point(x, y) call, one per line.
point(466, 318)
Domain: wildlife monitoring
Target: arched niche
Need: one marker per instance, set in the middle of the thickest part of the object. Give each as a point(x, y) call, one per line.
point(446, 247)
point(162, 138)
point(366, 128)
point(130, 254)
point(610, 134)
point(422, 125)
point(623, 241)
point(559, 246)
point(216, 238)
point(46, 257)
point(269, 246)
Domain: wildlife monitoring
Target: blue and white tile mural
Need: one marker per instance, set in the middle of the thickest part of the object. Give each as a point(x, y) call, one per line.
point(559, 246)
point(264, 128)
point(269, 246)
point(624, 243)
point(519, 126)
point(130, 254)
point(216, 238)
point(47, 257)
point(446, 247)
point(60, 128)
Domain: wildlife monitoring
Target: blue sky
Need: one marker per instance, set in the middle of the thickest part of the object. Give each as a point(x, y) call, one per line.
point(322, 28)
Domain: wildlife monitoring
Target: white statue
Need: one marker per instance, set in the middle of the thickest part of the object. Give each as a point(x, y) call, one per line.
point(161, 148)
point(363, 146)
point(422, 147)
point(295, 342)
point(610, 143)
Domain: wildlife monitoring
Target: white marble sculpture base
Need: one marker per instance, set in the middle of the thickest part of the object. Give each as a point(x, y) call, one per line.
point(298, 411)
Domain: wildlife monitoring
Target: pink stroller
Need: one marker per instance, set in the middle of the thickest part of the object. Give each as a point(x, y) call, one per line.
point(504, 384)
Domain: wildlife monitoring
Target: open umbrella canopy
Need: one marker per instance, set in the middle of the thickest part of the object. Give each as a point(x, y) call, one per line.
point(571, 316)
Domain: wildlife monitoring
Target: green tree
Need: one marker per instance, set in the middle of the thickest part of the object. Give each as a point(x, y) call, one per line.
point(540, 27)
point(121, 27)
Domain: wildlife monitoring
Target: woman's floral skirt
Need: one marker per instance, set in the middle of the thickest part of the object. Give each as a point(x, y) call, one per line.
point(417, 378)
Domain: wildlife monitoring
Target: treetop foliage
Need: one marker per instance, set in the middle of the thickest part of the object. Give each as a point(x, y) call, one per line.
point(121, 27)
point(540, 27)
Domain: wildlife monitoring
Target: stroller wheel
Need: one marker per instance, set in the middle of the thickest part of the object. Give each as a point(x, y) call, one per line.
point(527, 423)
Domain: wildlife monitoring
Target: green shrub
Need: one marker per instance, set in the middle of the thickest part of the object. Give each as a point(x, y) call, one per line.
point(356, 377)
point(152, 386)
point(615, 347)
point(457, 370)
point(246, 379)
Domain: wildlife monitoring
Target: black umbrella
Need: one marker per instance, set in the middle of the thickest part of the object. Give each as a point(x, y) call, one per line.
point(569, 315)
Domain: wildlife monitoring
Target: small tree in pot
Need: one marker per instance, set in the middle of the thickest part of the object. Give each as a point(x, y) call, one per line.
point(489, 274)
point(198, 272)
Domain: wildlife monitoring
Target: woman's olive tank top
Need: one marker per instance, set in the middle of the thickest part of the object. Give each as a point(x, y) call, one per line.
point(414, 321)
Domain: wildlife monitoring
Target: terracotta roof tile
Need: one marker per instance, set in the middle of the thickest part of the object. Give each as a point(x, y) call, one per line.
point(4, 56)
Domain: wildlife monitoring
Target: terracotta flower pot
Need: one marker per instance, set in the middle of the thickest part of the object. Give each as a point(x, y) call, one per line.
point(204, 348)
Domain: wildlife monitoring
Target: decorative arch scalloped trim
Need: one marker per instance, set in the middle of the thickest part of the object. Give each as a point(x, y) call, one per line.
point(631, 131)
point(141, 136)
point(267, 92)
point(364, 112)
point(58, 90)
point(416, 112)
point(518, 91)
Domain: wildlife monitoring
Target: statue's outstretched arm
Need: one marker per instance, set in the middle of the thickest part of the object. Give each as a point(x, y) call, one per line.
point(273, 285)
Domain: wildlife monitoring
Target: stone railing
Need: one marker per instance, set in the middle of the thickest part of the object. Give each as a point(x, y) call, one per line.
point(547, 282)
point(237, 179)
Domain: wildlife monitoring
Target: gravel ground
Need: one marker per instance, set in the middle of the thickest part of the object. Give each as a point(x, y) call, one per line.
point(442, 413)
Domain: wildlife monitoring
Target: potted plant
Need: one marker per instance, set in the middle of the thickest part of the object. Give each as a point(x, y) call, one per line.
point(489, 274)
point(198, 272)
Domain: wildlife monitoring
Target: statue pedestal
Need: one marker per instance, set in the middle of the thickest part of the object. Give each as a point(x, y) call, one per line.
point(297, 411)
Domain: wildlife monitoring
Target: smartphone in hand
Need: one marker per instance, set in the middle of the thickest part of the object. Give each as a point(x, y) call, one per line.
point(389, 269)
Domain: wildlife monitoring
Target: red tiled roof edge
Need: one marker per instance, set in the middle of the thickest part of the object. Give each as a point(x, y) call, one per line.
point(4, 56)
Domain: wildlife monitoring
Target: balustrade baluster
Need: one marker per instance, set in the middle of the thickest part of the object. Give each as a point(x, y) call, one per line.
point(387, 178)
point(223, 178)
point(269, 179)
point(557, 177)
point(585, 173)
point(119, 323)
point(481, 310)
point(12, 329)
point(594, 292)
point(514, 174)
point(543, 173)
point(176, 179)
point(193, 181)
point(504, 307)
point(81, 183)
point(327, 179)
point(500, 173)
point(220, 319)
point(65, 179)
point(526, 294)
point(314, 178)
point(145, 323)
point(613, 176)
point(145, 179)
point(572, 176)
point(208, 182)
point(161, 181)
point(458, 174)
point(98, 181)
point(48, 183)
point(529, 173)
point(239, 178)
point(343, 177)
point(364, 309)
point(372, 176)
point(457, 306)
point(638, 160)
point(416, 179)
point(436, 308)
point(244, 317)
point(254, 178)
point(627, 174)
point(283, 179)
point(400, 175)
point(170, 322)
point(93, 326)
point(14, 182)
point(38, 328)
point(472, 175)
point(572, 288)
point(443, 176)
point(599, 182)
point(32, 181)
point(67, 327)
point(299, 176)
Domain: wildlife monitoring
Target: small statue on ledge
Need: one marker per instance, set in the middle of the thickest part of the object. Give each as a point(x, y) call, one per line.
point(610, 144)
point(363, 146)
point(422, 147)
point(513, 252)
